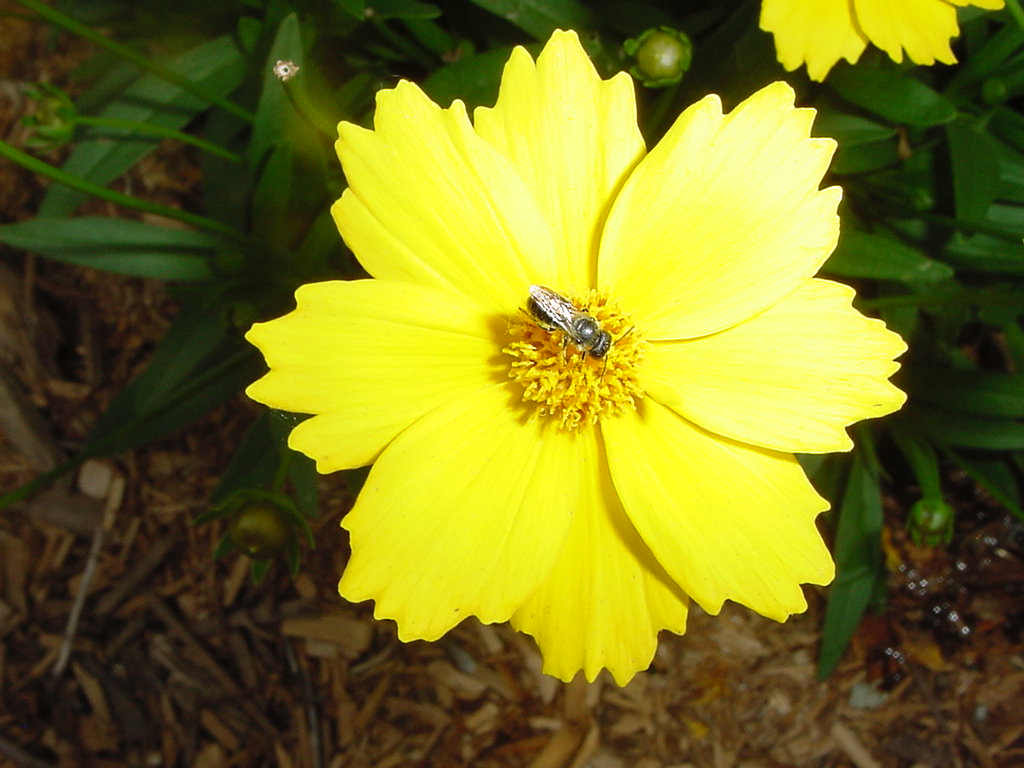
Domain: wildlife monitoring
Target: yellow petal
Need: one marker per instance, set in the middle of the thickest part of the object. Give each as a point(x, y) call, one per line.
point(572, 137)
point(817, 33)
point(603, 603)
point(369, 357)
point(430, 202)
point(722, 219)
point(790, 379)
point(921, 27)
point(727, 521)
point(463, 514)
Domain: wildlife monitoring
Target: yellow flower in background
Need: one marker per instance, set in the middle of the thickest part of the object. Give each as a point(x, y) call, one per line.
point(584, 497)
point(820, 32)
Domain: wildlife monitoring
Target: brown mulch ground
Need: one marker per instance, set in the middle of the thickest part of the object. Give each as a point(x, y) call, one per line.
point(123, 643)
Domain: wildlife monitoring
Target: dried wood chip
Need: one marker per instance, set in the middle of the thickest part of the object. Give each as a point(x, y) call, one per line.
point(352, 636)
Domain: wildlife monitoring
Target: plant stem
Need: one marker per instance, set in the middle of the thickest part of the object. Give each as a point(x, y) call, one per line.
point(1013, 6)
point(38, 166)
point(38, 483)
point(148, 65)
point(300, 101)
point(147, 129)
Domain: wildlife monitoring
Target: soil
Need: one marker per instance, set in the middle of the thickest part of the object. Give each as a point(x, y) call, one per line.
point(123, 642)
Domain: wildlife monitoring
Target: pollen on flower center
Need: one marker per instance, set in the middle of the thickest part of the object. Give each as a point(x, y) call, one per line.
point(566, 382)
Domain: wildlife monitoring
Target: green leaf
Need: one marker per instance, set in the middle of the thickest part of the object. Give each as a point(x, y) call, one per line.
point(921, 457)
point(981, 393)
point(947, 427)
point(355, 8)
point(851, 130)
point(892, 95)
point(858, 562)
point(473, 79)
point(303, 477)
point(124, 246)
point(217, 65)
point(982, 253)
point(993, 473)
point(1011, 173)
point(254, 462)
point(198, 364)
point(865, 157)
point(402, 9)
point(976, 173)
point(540, 18)
point(274, 111)
point(982, 62)
point(863, 255)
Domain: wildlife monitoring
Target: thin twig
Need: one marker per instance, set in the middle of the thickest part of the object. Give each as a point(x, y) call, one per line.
point(309, 704)
point(114, 496)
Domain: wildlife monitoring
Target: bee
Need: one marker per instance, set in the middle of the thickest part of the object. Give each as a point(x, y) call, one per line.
point(552, 311)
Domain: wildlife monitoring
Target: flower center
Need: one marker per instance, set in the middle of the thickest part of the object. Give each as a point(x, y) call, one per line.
point(576, 383)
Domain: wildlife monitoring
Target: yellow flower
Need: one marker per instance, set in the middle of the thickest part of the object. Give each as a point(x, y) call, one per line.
point(820, 32)
point(518, 477)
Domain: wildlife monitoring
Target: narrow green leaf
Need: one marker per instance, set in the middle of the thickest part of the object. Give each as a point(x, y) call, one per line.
point(403, 9)
point(858, 562)
point(216, 64)
point(541, 17)
point(982, 253)
point(254, 462)
point(851, 130)
point(893, 95)
point(124, 246)
point(273, 113)
point(1008, 125)
point(976, 174)
point(982, 62)
point(980, 393)
point(303, 478)
point(865, 157)
point(864, 255)
point(921, 457)
point(947, 427)
point(993, 473)
point(198, 364)
point(355, 8)
point(1011, 173)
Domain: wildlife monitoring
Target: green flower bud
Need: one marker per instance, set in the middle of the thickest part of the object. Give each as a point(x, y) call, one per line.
point(661, 56)
point(931, 523)
point(261, 529)
point(53, 122)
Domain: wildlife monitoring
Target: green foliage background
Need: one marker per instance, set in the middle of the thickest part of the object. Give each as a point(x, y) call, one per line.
point(931, 161)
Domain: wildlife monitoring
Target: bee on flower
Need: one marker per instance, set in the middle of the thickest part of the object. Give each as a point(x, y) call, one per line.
point(517, 475)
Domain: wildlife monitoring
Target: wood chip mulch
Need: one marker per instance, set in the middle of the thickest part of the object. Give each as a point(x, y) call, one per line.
point(122, 643)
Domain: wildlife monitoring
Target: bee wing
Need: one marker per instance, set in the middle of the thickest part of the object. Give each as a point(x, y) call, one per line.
point(553, 309)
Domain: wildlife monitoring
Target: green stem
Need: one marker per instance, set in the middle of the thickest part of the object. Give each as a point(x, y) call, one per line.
point(655, 124)
point(45, 169)
point(309, 112)
point(283, 467)
point(148, 65)
point(1013, 6)
point(148, 129)
point(37, 484)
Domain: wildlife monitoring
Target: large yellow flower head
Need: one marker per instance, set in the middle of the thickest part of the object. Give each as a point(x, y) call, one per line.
point(820, 32)
point(585, 491)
